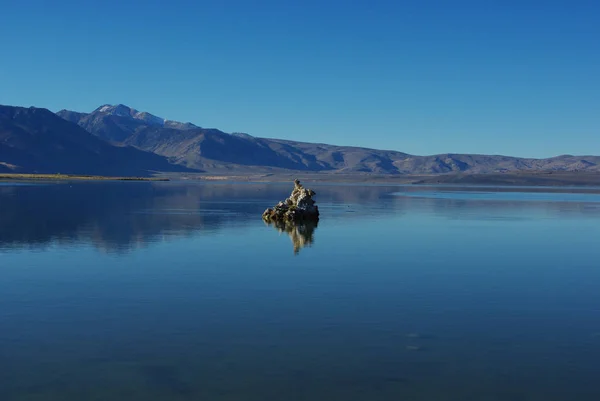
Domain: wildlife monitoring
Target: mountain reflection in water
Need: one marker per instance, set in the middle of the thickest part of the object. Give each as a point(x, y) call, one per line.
point(118, 217)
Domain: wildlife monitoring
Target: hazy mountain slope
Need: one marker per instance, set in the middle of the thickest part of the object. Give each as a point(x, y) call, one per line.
point(37, 140)
point(71, 116)
point(482, 164)
point(346, 159)
point(200, 147)
point(211, 149)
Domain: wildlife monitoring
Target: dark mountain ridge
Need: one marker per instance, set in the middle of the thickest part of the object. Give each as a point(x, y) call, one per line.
point(119, 140)
point(213, 150)
point(35, 140)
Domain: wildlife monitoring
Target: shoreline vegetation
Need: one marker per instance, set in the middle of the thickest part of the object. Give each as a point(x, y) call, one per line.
point(524, 178)
point(67, 177)
point(546, 179)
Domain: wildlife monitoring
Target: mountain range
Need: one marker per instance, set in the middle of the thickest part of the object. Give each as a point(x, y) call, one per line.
point(125, 141)
point(35, 140)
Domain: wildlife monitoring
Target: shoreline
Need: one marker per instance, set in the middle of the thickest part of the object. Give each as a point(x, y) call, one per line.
point(509, 179)
point(78, 177)
point(512, 179)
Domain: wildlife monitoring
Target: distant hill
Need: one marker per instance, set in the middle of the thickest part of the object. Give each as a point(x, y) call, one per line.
point(35, 140)
point(213, 150)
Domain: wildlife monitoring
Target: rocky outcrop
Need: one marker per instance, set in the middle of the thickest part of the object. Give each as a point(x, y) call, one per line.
point(299, 207)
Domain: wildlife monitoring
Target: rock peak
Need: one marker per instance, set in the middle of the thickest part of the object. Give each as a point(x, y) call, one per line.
point(298, 207)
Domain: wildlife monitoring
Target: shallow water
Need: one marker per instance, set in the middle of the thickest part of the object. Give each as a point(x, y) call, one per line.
point(154, 291)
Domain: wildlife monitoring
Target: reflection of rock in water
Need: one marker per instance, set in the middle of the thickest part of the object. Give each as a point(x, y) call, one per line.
point(301, 234)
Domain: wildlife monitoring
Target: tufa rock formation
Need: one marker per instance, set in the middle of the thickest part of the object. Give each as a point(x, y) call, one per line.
point(299, 207)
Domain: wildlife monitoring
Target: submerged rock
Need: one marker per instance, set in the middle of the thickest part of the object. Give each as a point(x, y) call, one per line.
point(299, 207)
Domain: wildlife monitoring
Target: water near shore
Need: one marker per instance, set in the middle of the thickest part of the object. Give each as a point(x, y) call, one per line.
point(73, 177)
point(166, 290)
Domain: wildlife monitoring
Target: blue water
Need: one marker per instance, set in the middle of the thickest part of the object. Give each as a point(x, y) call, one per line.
point(178, 291)
point(506, 196)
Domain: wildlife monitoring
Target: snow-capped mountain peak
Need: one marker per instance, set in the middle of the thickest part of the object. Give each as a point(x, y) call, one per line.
point(117, 110)
point(149, 118)
point(125, 111)
point(179, 125)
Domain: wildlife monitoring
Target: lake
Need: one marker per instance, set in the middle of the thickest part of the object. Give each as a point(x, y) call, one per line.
point(178, 291)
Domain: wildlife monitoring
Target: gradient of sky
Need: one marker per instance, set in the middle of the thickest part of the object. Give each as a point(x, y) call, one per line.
point(497, 77)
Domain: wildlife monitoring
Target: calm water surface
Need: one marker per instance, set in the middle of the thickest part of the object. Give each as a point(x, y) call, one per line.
point(176, 291)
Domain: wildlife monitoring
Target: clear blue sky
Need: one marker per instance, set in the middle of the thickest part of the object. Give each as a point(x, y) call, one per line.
point(498, 77)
